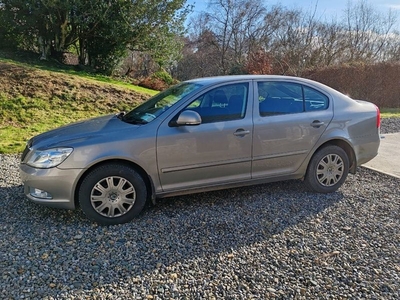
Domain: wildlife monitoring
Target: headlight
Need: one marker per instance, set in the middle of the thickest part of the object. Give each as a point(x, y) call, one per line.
point(49, 158)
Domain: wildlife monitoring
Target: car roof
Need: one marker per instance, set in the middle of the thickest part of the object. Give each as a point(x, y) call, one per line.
point(227, 78)
point(231, 78)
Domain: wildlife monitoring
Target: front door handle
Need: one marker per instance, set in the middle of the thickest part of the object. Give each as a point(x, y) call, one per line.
point(241, 132)
point(317, 124)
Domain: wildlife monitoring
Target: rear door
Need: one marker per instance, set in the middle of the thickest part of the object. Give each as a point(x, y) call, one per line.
point(215, 152)
point(289, 118)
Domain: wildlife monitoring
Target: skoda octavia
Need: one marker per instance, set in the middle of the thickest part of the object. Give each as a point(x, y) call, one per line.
point(202, 134)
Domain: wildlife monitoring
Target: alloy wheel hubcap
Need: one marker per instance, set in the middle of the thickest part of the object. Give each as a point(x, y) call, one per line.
point(113, 196)
point(330, 170)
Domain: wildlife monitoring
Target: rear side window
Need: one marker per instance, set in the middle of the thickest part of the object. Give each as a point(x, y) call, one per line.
point(314, 100)
point(277, 98)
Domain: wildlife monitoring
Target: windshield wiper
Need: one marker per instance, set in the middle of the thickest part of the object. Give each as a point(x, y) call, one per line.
point(129, 118)
point(136, 121)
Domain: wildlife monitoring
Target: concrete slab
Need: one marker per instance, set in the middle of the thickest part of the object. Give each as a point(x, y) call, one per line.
point(388, 159)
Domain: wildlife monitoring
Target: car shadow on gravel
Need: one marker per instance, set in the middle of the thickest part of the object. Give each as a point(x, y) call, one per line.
point(174, 231)
point(221, 221)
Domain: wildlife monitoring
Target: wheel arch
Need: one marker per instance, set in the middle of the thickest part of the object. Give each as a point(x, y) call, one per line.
point(346, 147)
point(146, 178)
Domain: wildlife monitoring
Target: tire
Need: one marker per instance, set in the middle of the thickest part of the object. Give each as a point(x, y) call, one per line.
point(112, 194)
point(327, 169)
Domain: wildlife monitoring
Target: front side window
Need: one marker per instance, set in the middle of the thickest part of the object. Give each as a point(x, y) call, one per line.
point(224, 103)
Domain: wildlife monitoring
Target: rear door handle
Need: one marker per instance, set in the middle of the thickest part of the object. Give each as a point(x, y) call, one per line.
point(241, 132)
point(317, 124)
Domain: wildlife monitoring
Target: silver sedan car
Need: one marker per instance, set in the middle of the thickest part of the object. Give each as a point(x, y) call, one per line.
point(203, 134)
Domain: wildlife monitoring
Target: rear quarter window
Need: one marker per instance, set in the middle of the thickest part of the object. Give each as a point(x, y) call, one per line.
point(314, 100)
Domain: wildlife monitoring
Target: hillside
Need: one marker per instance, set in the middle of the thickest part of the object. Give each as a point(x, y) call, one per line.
point(33, 100)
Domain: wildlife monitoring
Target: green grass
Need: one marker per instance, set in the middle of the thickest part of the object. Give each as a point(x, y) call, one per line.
point(21, 118)
point(105, 79)
point(390, 112)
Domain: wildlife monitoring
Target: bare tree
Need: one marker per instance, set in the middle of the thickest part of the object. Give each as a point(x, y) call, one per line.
point(236, 26)
point(239, 36)
point(393, 48)
point(367, 32)
point(292, 38)
point(200, 57)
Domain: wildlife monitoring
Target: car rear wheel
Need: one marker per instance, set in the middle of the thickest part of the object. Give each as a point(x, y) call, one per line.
point(327, 169)
point(112, 194)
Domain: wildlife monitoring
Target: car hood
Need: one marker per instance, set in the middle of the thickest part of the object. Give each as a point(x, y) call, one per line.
point(80, 132)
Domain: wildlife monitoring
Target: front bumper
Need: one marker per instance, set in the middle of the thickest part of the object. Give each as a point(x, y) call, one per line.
point(59, 183)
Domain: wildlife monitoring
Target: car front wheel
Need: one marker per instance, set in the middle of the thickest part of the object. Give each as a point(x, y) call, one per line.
point(327, 169)
point(112, 194)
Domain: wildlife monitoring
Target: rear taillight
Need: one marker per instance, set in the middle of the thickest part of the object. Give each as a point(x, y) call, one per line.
point(378, 117)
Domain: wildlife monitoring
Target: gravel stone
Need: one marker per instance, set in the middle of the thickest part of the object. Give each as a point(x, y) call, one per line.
point(390, 125)
point(274, 240)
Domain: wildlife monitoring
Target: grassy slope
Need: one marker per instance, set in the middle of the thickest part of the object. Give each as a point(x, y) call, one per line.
point(33, 100)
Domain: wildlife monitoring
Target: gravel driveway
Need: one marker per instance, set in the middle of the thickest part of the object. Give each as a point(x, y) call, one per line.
point(268, 241)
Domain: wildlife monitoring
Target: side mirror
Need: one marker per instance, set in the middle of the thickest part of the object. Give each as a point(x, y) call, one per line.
point(188, 118)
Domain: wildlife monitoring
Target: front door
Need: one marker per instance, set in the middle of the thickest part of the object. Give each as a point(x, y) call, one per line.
point(215, 152)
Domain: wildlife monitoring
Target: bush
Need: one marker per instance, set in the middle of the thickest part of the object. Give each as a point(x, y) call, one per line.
point(153, 83)
point(164, 76)
point(159, 81)
point(377, 83)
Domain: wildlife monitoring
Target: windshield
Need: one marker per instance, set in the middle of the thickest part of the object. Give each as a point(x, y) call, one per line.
point(155, 106)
